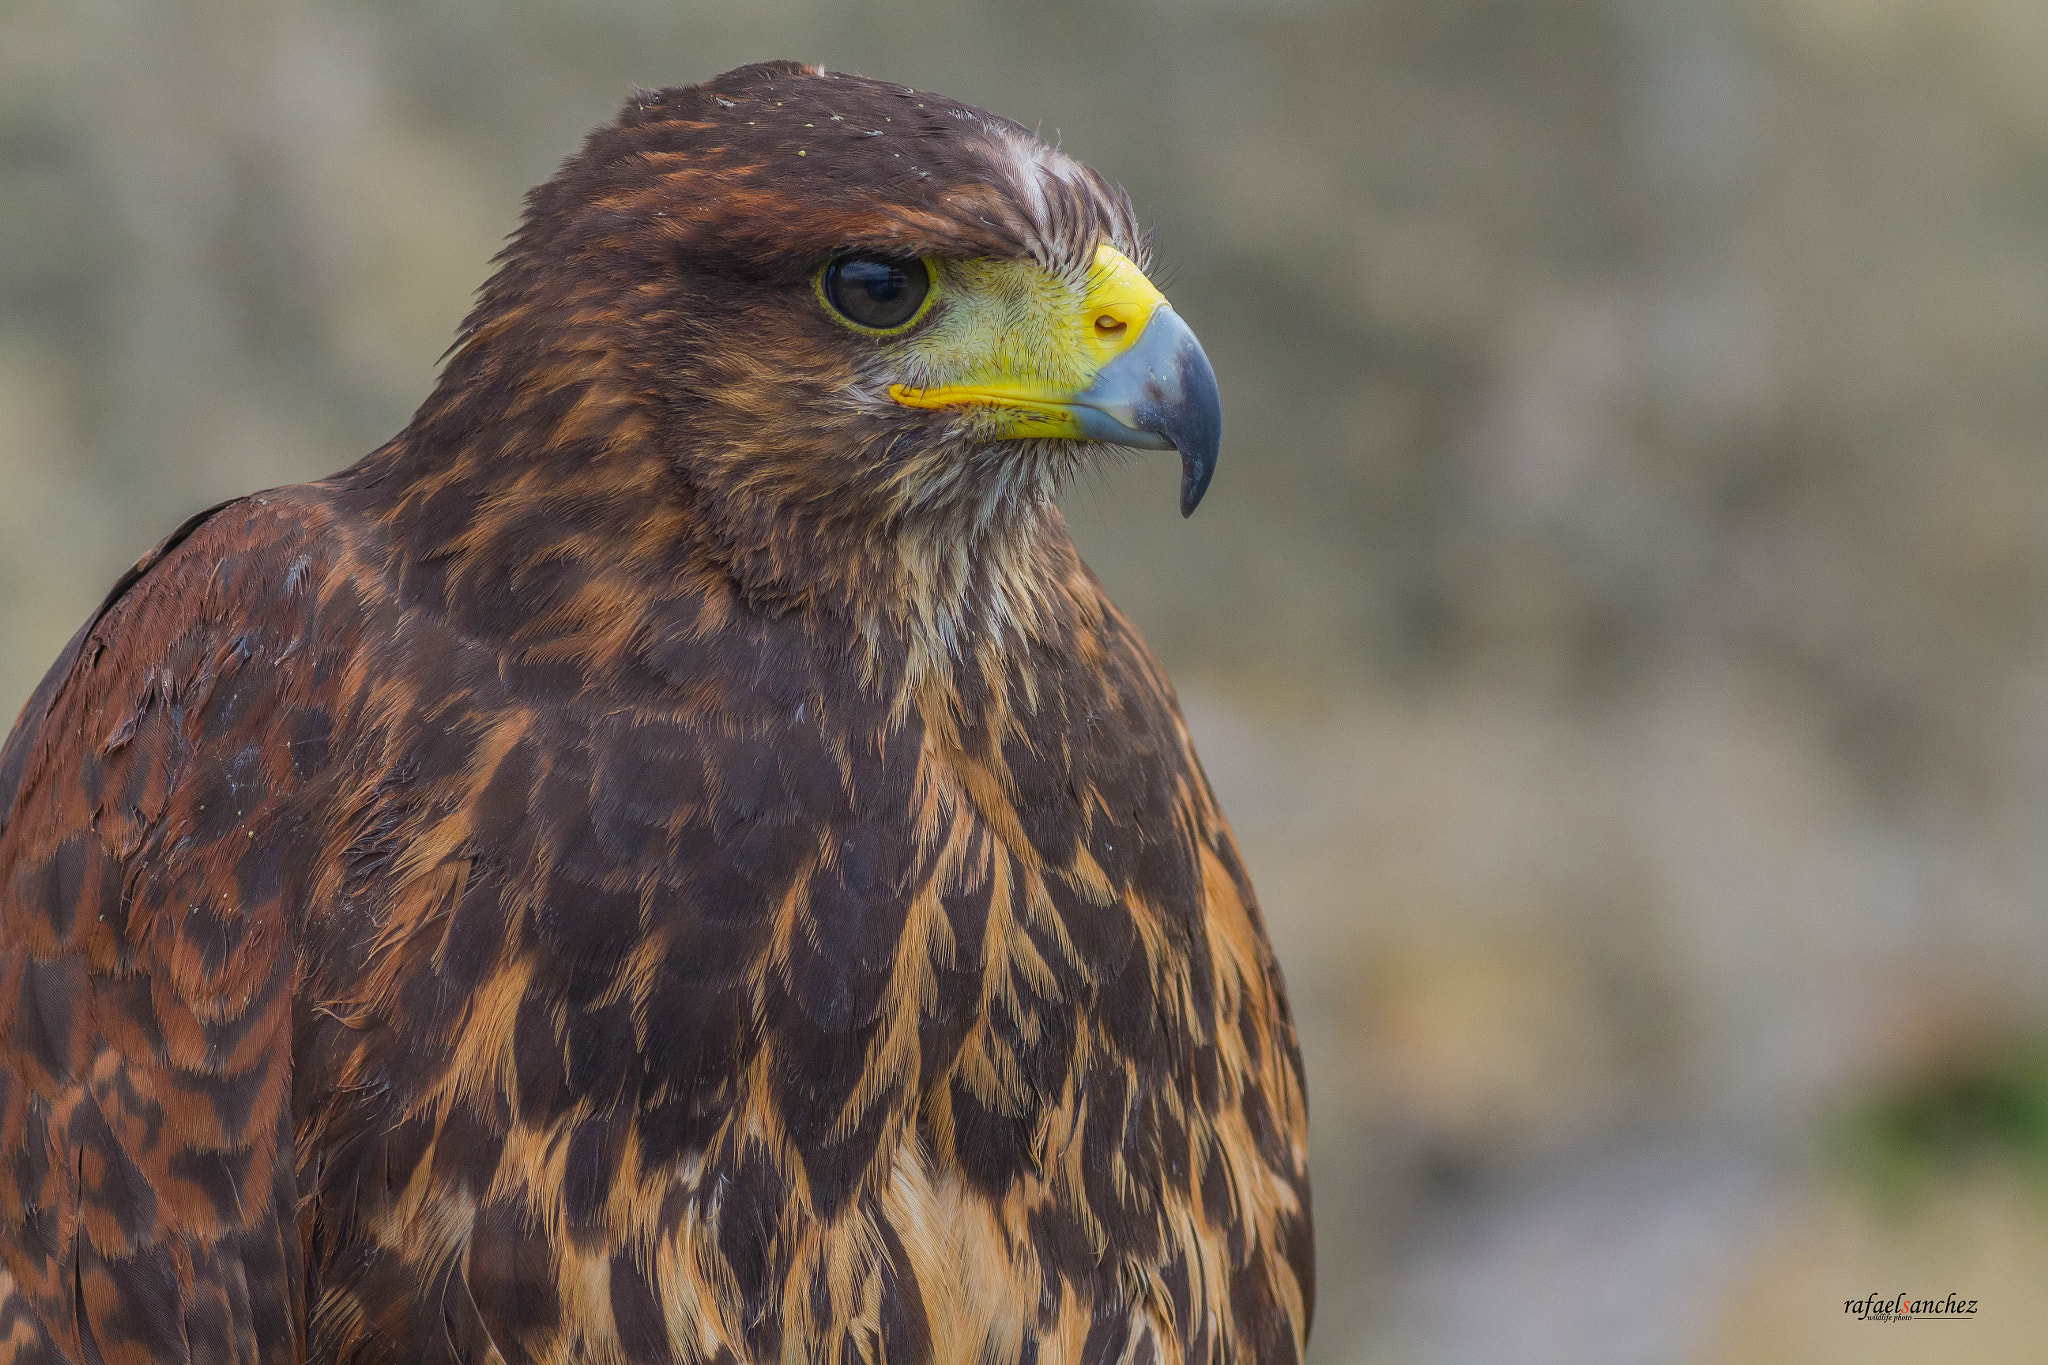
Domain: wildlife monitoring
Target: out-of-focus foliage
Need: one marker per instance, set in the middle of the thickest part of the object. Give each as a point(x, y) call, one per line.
point(1994, 1111)
point(1618, 624)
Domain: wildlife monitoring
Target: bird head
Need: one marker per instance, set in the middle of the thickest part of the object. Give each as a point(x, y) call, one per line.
point(838, 310)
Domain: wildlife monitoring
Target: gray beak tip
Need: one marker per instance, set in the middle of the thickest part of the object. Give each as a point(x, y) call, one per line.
point(1195, 425)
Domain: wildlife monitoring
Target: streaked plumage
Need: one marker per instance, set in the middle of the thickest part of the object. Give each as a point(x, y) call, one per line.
point(673, 858)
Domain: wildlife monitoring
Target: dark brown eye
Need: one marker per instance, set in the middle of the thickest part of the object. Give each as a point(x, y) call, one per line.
point(876, 291)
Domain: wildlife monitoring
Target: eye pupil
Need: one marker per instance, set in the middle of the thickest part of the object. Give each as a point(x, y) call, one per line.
point(876, 291)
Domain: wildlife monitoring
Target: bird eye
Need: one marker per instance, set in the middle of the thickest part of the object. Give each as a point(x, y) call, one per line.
point(875, 291)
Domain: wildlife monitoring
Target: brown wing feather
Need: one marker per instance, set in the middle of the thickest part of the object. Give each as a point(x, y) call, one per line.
point(146, 1173)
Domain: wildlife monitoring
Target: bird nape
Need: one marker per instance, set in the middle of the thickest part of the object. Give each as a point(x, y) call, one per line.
point(673, 858)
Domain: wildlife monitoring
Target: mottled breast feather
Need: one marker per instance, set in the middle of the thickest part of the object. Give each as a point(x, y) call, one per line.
point(566, 890)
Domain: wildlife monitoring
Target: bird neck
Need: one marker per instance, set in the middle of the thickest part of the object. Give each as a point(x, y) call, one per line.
point(928, 598)
point(573, 534)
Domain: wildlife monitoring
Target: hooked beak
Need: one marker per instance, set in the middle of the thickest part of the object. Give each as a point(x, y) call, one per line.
point(1160, 395)
point(1143, 380)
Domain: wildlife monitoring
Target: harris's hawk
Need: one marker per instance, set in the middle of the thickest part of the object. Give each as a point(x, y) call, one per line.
point(673, 858)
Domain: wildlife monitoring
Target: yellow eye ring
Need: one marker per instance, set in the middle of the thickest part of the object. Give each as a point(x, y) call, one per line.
point(878, 295)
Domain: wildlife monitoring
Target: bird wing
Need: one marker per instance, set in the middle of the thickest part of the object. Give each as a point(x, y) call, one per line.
point(147, 1183)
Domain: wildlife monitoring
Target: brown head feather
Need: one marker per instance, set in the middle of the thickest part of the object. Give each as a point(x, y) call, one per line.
point(651, 348)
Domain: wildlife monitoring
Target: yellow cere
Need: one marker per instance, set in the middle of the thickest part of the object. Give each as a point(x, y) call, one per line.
point(1022, 343)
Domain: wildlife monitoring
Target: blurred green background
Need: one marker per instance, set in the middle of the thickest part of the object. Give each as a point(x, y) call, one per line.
point(1617, 627)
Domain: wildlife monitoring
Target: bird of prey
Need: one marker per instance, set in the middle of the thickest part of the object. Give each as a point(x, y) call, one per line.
point(673, 858)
